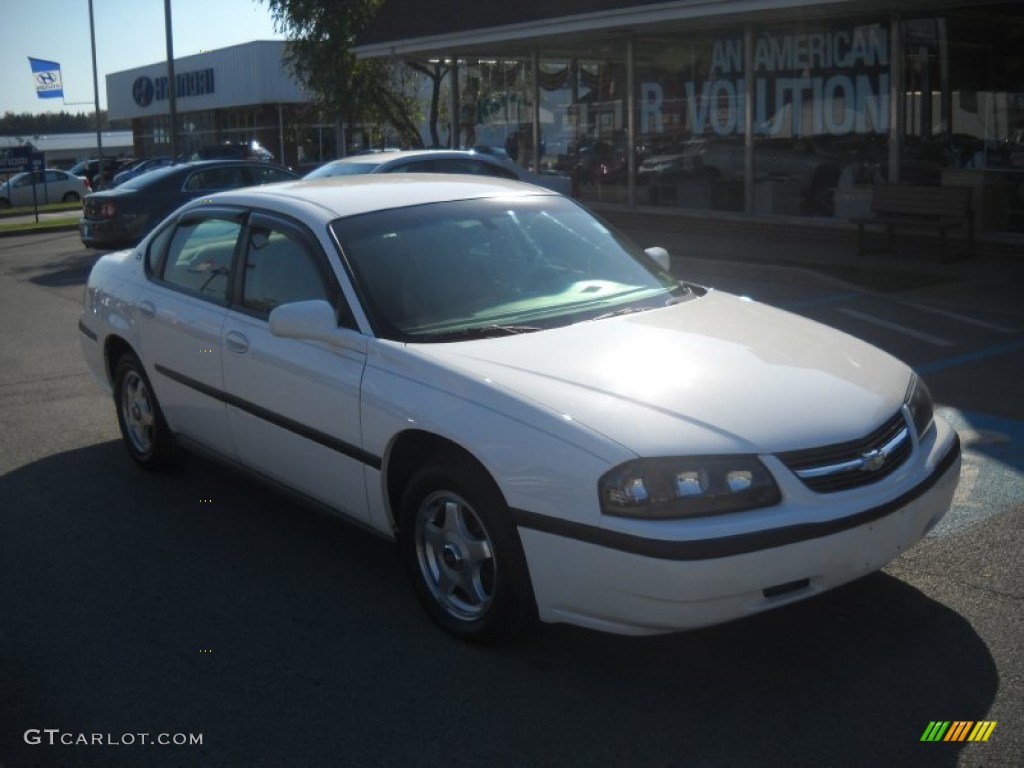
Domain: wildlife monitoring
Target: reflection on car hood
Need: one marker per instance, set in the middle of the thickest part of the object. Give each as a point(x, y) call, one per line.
point(719, 374)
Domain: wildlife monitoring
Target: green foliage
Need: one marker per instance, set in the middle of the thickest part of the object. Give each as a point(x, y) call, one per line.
point(320, 36)
point(28, 125)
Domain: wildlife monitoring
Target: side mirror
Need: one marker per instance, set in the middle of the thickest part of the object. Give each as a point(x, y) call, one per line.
point(311, 320)
point(660, 257)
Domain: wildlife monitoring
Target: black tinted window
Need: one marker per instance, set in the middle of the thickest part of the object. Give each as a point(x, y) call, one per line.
point(228, 177)
point(268, 174)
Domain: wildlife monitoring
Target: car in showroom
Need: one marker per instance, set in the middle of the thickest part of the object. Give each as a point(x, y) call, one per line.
point(547, 421)
point(124, 214)
point(42, 188)
point(474, 162)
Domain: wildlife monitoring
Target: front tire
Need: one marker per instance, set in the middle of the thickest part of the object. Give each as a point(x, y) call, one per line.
point(145, 432)
point(463, 553)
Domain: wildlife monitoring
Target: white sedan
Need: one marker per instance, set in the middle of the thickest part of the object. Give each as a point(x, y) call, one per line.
point(42, 188)
point(547, 421)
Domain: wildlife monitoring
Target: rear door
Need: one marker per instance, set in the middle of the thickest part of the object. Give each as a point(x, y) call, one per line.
point(182, 311)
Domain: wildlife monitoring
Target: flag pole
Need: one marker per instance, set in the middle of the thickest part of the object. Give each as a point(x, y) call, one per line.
point(96, 92)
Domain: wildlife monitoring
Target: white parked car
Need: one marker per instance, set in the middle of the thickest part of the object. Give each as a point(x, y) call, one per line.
point(547, 421)
point(51, 186)
point(466, 161)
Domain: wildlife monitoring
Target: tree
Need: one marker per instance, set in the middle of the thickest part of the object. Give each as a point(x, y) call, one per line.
point(320, 37)
point(435, 72)
point(28, 124)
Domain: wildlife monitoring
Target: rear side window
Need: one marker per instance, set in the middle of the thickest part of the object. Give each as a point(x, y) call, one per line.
point(228, 177)
point(268, 175)
point(199, 257)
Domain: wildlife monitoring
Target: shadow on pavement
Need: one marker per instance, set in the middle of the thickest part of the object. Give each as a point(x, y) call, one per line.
point(72, 269)
point(197, 602)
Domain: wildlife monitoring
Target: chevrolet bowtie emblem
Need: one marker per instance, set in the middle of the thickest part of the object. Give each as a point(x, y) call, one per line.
point(872, 461)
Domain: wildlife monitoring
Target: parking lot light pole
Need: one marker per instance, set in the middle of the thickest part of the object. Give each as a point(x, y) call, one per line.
point(96, 92)
point(171, 84)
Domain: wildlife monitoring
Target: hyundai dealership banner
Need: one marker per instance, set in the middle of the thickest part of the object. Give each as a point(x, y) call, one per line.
point(46, 75)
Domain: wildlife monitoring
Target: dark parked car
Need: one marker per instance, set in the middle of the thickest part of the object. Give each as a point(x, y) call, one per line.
point(139, 168)
point(251, 150)
point(125, 214)
point(89, 169)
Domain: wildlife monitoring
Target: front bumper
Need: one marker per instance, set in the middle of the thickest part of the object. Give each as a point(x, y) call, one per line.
point(641, 586)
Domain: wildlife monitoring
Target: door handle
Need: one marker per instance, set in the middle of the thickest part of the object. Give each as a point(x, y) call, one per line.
point(147, 310)
point(236, 342)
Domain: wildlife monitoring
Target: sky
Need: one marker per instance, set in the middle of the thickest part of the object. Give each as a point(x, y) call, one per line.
point(129, 34)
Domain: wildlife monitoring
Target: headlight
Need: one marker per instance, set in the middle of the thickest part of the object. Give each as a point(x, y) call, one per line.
point(672, 488)
point(919, 402)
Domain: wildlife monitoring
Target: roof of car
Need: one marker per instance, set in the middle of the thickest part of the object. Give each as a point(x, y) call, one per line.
point(388, 155)
point(337, 196)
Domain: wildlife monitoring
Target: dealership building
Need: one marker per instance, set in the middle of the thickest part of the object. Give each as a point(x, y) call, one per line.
point(736, 110)
point(242, 93)
point(744, 108)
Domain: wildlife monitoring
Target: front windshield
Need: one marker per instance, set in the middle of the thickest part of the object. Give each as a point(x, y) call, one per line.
point(469, 268)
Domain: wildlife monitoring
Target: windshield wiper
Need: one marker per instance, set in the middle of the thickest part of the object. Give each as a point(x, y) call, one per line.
point(622, 311)
point(476, 332)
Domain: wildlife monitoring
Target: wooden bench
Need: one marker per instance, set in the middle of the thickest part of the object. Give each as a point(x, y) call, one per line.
point(915, 207)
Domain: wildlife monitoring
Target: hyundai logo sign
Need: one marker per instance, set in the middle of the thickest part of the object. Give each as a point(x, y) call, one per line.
point(142, 91)
point(146, 90)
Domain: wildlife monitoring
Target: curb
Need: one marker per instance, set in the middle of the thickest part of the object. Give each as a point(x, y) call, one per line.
point(40, 230)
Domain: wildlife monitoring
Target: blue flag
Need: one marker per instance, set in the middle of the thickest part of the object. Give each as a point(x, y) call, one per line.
point(46, 75)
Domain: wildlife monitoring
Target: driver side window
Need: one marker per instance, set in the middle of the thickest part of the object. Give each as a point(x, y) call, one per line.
point(281, 268)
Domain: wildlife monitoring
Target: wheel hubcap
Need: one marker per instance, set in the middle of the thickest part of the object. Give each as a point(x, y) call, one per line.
point(137, 411)
point(455, 556)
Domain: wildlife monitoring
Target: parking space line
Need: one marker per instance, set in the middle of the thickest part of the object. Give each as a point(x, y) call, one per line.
point(934, 340)
point(970, 357)
point(957, 316)
point(829, 298)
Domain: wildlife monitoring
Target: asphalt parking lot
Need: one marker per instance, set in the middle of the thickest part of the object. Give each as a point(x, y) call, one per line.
point(198, 603)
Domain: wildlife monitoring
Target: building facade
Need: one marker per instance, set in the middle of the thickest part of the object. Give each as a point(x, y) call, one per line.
point(760, 107)
point(63, 150)
point(243, 93)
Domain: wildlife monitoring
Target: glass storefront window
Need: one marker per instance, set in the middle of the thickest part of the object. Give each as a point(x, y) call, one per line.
point(690, 121)
point(821, 116)
point(583, 113)
point(496, 107)
point(963, 108)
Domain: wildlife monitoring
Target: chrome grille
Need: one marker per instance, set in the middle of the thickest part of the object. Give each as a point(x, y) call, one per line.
point(855, 463)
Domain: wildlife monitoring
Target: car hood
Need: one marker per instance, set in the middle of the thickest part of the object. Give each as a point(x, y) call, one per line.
point(716, 374)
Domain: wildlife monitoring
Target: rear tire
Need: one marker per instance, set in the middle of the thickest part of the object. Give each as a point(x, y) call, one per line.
point(145, 432)
point(71, 197)
point(463, 553)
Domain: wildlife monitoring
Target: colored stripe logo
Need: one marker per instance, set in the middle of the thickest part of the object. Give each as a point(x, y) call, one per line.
point(958, 730)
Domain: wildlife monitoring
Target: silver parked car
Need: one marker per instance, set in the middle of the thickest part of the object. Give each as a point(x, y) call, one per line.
point(472, 162)
point(51, 186)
